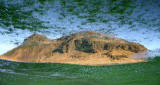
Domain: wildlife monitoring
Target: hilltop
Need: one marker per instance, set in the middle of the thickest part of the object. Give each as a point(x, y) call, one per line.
point(85, 48)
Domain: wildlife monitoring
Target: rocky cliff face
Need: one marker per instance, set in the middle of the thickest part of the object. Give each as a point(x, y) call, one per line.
point(92, 42)
point(79, 48)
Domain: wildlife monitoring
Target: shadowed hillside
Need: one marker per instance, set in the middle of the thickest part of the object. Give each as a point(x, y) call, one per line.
point(86, 47)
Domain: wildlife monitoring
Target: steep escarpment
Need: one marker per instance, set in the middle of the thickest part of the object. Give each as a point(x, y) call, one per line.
point(86, 47)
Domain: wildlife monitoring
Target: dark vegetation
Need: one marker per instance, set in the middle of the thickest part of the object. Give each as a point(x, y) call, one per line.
point(146, 73)
point(84, 45)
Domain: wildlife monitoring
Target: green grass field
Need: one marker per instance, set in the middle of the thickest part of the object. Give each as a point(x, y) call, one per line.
point(12, 73)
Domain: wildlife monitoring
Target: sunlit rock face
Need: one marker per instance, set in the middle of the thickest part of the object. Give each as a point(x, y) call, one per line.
point(87, 48)
point(36, 38)
point(91, 42)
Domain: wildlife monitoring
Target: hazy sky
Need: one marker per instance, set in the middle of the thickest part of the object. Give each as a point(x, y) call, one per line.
point(134, 20)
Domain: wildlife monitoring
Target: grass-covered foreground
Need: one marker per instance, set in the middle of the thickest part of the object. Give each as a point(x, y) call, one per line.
point(12, 73)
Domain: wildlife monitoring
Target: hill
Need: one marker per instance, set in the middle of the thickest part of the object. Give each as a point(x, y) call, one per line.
point(86, 48)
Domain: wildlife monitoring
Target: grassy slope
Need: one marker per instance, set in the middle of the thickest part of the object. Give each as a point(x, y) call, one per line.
point(147, 73)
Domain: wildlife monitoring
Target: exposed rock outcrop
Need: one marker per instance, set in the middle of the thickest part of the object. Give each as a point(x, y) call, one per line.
point(79, 48)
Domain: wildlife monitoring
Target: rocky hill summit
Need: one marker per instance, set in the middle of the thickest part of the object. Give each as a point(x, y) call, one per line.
point(85, 48)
